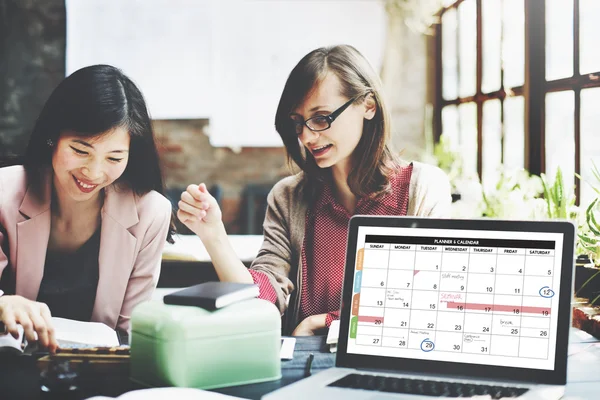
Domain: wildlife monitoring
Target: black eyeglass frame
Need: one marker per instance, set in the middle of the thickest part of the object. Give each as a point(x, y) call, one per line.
point(328, 118)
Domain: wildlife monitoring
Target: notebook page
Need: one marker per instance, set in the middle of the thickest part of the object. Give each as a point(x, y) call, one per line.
point(93, 333)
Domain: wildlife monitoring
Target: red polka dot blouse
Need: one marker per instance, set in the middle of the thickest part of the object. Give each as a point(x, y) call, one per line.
point(324, 247)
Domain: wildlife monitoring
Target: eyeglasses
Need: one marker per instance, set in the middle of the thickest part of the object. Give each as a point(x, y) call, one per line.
point(320, 123)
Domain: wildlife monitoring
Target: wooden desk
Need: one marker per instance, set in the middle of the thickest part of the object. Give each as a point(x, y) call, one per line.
point(191, 248)
point(19, 378)
point(187, 263)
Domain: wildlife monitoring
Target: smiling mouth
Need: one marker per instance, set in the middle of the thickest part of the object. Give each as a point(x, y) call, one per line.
point(84, 187)
point(321, 150)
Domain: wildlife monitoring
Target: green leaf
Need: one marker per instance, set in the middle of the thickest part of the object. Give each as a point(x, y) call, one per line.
point(589, 212)
point(546, 194)
point(559, 193)
point(591, 249)
point(587, 239)
point(596, 175)
point(594, 227)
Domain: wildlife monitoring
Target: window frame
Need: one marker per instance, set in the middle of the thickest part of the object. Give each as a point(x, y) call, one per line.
point(533, 90)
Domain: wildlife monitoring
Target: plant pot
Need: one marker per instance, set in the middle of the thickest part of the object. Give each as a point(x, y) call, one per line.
point(584, 271)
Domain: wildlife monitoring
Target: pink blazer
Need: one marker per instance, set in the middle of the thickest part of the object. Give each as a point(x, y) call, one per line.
point(132, 236)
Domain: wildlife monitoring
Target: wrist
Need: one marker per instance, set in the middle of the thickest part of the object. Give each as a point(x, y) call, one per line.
point(215, 237)
point(317, 321)
point(213, 233)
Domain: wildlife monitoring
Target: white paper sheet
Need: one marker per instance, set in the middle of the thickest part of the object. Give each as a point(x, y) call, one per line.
point(334, 331)
point(92, 333)
point(7, 340)
point(168, 393)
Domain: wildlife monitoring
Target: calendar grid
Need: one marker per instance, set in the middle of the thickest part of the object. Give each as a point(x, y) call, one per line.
point(475, 354)
point(464, 308)
point(482, 300)
point(495, 267)
point(453, 291)
point(548, 352)
point(437, 308)
point(467, 299)
point(385, 297)
point(475, 273)
point(521, 306)
point(412, 283)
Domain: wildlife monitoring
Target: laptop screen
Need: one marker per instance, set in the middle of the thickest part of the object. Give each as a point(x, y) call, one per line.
point(472, 296)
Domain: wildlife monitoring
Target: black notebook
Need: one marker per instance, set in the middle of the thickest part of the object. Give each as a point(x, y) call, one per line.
point(212, 295)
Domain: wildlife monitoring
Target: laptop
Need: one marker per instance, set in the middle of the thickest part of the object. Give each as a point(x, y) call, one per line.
point(450, 308)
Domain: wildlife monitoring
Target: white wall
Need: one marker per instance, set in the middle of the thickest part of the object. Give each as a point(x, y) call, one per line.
point(226, 60)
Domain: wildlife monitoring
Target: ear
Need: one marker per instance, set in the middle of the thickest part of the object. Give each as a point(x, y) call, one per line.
point(370, 106)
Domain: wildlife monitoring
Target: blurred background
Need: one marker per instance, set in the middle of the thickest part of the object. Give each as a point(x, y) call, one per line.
point(502, 94)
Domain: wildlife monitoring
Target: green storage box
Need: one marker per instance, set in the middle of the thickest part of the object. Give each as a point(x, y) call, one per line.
point(193, 347)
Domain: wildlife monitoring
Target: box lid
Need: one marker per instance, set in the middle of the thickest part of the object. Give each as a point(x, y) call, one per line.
point(170, 322)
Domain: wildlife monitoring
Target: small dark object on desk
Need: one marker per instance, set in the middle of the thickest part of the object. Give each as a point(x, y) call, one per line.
point(309, 361)
point(60, 381)
point(212, 295)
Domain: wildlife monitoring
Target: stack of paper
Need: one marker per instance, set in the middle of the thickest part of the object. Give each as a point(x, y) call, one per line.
point(332, 335)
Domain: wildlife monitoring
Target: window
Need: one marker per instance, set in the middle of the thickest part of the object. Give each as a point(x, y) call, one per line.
point(519, 85)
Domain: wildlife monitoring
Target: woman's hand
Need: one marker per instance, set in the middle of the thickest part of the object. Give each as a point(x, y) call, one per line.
point(199, 211)
point(34, 317)
point(310, 325)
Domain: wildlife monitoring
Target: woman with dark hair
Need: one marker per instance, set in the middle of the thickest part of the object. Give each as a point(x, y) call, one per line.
point(335, 126)
point(83, 221)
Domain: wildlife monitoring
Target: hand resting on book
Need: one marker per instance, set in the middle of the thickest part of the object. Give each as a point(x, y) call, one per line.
point(34, 317)
point(69, 334)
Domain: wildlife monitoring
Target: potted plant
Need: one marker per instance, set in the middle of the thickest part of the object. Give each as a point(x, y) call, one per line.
point(514, 196)
point(560, 204)
point(588, 249)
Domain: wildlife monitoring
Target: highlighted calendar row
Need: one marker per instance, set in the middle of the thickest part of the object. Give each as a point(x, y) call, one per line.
point(545, 311)
point(508, 325)
point(452, 302)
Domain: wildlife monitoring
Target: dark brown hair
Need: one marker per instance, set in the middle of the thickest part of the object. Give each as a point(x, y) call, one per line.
point(372, 159)
point(91, 102)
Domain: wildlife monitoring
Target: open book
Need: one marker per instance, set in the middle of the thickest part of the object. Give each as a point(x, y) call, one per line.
point(69, 333)
point(72, 333)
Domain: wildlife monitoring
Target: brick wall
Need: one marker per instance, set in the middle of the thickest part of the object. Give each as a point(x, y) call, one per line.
point(188, 157)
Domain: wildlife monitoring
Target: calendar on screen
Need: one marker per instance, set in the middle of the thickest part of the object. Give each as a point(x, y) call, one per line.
point(481, 297)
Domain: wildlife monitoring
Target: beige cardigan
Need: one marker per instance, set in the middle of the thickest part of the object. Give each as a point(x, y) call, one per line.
point(280, 255)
